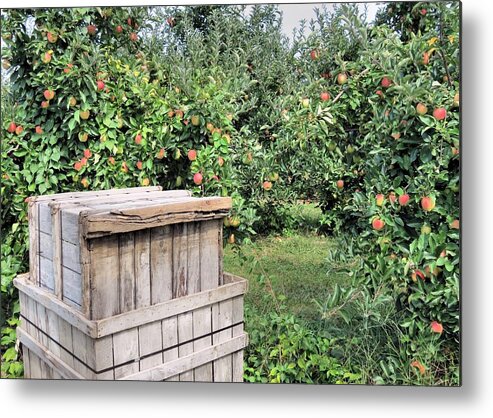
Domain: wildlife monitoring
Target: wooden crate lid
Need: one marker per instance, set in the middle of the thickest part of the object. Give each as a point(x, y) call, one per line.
point(81, 196)
point(101, 220)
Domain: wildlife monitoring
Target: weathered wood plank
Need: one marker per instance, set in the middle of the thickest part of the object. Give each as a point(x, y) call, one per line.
point(53, 331)
point(161, 264)
point(127, 272)
point(66, 341)
point(56, 236)
point(103, 357)
point(193, 257)
point(83, 352)
point(238, 330)
point(72, 287)
point(45, 246)
point(44, 219)
point(33, 224)
point(79, 195)
point(150, 341)
point(191, 361)
point(202, 318)
point(26, 361)
point(46, 276)
point(71, 256)
point(185, 333)
point(126, 348)
point(180, 250)
point(142, 263)
point(104, 277)
point(222, 317)
point(170, 308)
point(36, 350)
point(170, 338)
point(152, 215)
point(36, 294)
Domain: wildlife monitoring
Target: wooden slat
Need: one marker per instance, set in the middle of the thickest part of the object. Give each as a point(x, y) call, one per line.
point(33, 221)
point(71, 256)
point(49, 301)
point(45, 246)
point(222, 316)
point(190, 361)
point(44, 219)
point(185, 333)
point(126, 348)
point(84, 353)
point(180, 250)
point(46, 275)
point(66, 341)
point(153, 215)
point(238, 330)
point(72, 287)
point(103, 357)
point(150, 341)
point(56, 236)
point(34, 361)
point(170, 308)
point(48, 357)
point(142, 262)
point(193, 257)
point(104, 278)
point(169, 328)
point(26, 362)
point(80, 195)
point(127, 272)
point(161, 264)
point(202, 318)
point(53, 331)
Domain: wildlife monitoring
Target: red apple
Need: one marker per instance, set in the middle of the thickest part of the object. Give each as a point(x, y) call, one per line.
point(440, 113)
point(197, 179)
point(267, 185)
point(100, 85)
point(46, 57)
point(78, 166)
point(421, 109)
point(19, 130)
point(454, 224)
point(129, 21)
point(426, 58)
point(119, 29)
point(378, 224)
point(133, 37)
point(403, 199)
point(423, 12)
point(139, 165)
point(427, 203)
point(12, 127)
point(160, 154)
point(392, 197)
point(91, 29)
point(324, 96)
point(85, 182)
point(386, 82)
point(379, 93)
point(124, 167)
point(83, 161)
point(170, 21)
point(49, 94)
point(192, 155)
point(52, 38)
point(111, 160)
point(314, 54)
point(87, 153)
point(380, 198)
point(138, 139)
point(340, 184)
point(436, 327)
point(342, 78)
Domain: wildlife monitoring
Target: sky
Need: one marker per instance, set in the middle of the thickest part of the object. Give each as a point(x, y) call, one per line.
point(293, 13)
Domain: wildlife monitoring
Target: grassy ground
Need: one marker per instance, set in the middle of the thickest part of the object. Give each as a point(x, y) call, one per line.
point(294, 264)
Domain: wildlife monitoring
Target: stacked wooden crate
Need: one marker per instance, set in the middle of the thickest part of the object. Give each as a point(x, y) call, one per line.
point(128, 284)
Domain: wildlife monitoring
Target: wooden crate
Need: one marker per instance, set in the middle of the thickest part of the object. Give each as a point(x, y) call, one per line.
point(198, 337)
point(109, 252)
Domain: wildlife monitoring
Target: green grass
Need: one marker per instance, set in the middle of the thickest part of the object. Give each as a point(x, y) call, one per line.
point(296, 267)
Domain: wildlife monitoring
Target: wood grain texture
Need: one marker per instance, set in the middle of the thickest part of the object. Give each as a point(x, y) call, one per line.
point(142, 267)
point(126, 348)
point(180, 251)
point(185, 333)
point(34, 236)
point(223, 317)
point(56, 237)
point(150, 341)
point(191, 361)
point(104, 277)
point(169, 328)
point(238, 312)
point(161, 264)
point(127, 272)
